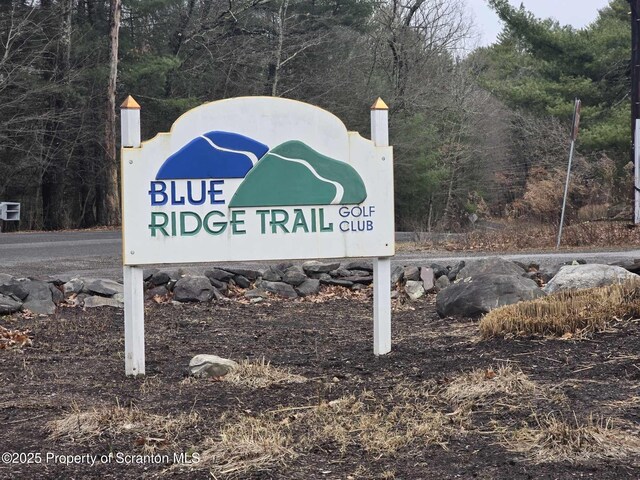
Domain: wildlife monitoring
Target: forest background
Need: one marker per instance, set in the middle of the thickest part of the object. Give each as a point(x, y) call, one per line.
point(478, 132)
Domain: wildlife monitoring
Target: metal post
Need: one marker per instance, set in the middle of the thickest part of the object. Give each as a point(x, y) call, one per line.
point(134, 358)
point(566, 191)
point(381, 265)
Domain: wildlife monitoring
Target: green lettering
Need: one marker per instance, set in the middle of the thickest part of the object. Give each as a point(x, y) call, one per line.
point(314, 228)
point(173, 224)
point(154, 226)
point(235, 222)
point(323, 227)
point(216, 228)
point(183, 224)
point(300, 221)
point(275, 222)
point(263, 221)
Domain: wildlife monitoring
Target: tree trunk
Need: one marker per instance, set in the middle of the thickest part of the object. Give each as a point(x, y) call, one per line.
point(112, 198)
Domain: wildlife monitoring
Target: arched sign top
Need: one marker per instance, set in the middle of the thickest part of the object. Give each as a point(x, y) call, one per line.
point(256, 178)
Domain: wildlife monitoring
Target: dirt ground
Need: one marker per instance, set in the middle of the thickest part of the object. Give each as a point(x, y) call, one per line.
point(444, 404)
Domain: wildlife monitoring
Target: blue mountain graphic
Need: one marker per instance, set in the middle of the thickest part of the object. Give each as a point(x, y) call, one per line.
point(213, 155)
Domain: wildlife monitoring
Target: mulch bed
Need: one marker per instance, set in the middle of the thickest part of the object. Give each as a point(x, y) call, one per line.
point(76, 362)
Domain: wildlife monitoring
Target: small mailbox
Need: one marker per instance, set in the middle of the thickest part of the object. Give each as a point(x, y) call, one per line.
point(9, 211)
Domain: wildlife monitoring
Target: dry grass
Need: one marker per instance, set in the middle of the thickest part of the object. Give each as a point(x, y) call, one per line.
point(369, 423)
point(261, 374)
point(150, 430)
point(566, 312)
point(380, 425)
point(554, 439)
point(247, 444)
point(477, 387)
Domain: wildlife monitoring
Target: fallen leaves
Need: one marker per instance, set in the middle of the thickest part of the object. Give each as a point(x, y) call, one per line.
point(14, 338)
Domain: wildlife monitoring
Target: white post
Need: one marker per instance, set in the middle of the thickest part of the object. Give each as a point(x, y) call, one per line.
point(134, 363)
point(382, 265)
point(130, 123)
point(133, 321)
point(636, 176)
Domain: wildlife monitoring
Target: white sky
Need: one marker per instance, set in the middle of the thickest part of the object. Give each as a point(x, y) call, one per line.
point(568, 12)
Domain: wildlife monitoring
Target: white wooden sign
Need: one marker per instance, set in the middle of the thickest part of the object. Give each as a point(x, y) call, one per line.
point(253, 178)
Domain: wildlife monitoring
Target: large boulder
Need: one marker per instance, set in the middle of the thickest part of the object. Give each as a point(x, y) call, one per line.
point(314, 266)
point(193, 289)
point(9, 305)
point(310, 286)
point(106, 288)
point(210, 366)
point(39, 300)
point(578, 277)
point(279, 288)
point(495, 266)
point(477, 295)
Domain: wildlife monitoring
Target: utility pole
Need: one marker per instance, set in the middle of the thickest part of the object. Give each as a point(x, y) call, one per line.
point(635, 103)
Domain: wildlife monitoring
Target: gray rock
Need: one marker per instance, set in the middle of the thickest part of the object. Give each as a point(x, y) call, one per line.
point(216, 283)
point(272, 274)
point(428, 278)
point(364, 280)
point(358, 286)
point(14, 289)
point(246, 273)
point(359, 265)
point(9, 305)
point(98, 301)
point(6, 279)
point(439, 270)
point(414, 289)
point(218, 296)
point(480, 294)
point(394, 295)
point(241, 281)
point(314, 266)
point(397, 273)
point(633, 265)
point(442, 282)
point(256, 293)
point(106, 288)
point(160, 291)
point(160, 278)
point(411, 273)
point(73, 286)
point(56, 294)
point(496, 266)
point(39, 300)
point(280, 288)
point(218, 274)
point(294, 276)
point(577, 277)
point(193, 289)
point(320, 276)
point(310, 286)
point(453, 273)
point(340, 272)
point(210, 366)
point(337, 282)
point(284, 266)
point(147, 273)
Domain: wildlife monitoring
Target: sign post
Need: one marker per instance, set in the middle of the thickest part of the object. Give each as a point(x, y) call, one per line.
point(255, 179)
point(381, 265)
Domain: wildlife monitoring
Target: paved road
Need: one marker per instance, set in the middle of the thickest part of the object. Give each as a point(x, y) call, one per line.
point(98, 254)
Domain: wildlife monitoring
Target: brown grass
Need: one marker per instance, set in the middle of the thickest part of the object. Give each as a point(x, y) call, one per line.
point(554, 439)
point(261, 374)
point(566, 312)
point(477, 387)
point(149, 429)
point(247, 444)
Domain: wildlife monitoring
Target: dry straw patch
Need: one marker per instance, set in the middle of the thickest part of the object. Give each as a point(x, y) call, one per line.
point(476, 387)
point(567, 312)
point(247, 444)
point(151, 430)
point(261, 374)
point(554, 439)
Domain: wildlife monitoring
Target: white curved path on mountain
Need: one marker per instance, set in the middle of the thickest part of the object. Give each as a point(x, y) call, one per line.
point(250, 155)
point(339, 188)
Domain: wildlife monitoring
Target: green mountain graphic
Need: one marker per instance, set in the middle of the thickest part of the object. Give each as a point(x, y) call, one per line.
point(295, 174)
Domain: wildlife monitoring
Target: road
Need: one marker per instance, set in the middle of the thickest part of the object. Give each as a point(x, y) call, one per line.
point(98, 254)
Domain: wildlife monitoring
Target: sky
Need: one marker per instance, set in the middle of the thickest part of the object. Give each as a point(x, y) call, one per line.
point(568, 12)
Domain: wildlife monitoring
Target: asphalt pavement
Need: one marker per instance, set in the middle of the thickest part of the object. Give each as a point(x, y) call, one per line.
point(99, 254)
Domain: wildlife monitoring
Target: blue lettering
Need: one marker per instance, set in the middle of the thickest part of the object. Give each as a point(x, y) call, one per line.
point(157, 193)
point(193, 201)
point(213, 192)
